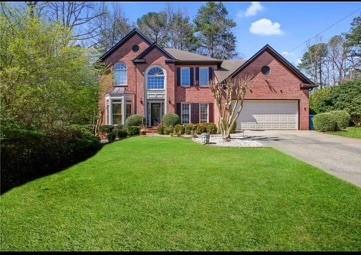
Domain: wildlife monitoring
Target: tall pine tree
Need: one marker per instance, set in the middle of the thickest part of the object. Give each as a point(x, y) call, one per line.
point(213, 30)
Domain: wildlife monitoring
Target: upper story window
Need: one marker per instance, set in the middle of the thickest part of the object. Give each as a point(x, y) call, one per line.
point(120, 74)
point(155, 78)
point(185, 77)
point(203, 76)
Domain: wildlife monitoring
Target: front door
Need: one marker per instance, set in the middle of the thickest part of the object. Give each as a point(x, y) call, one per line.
point(155, 114)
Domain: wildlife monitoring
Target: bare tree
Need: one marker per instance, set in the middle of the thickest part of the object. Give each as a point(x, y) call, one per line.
point(229, 96)
point(79, 17)
point(112, 27)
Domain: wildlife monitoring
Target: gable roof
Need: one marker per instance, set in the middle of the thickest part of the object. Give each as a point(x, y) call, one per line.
point(280, 58)
point(123, 40)
point(183, 55)
point(141, 56)
point(227, 68)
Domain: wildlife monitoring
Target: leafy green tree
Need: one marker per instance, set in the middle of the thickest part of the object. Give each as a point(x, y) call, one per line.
point(213, 30)
point(346, 96)
point(354, 36)
point(353, 40)
point(45, 82)
point(154, 25)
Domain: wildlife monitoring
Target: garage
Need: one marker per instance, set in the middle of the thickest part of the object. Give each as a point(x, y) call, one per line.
point(268, 114)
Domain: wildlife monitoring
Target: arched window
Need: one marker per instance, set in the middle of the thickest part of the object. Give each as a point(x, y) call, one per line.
point(155, 78)
point(120, 74)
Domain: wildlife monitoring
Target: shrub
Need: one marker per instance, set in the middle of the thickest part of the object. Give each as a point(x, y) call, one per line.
point(134, 120)
point(346, 96)
point(160, 129)
point(106, 128)
point(111, 136)
point(342, 119)
point(133, 130)
point(179, 130)
point(211, 128)
point(356, 119)
point(35, 154)
point(188, 129)
point(324, 122)
point(170, 120)
point(168, 130)
point(201, 128)
point(121, 133)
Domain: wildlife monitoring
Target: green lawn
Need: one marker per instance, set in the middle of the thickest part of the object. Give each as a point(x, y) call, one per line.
point(352, 132)
point(151, 193)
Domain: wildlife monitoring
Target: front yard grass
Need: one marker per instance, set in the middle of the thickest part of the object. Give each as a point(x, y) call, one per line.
point(156, 193)
point(352, 132)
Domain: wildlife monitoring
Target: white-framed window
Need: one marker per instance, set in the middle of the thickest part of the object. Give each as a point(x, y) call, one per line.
point(203, 113)
point(155, 79)
point(185, 76)
point(204, 76)
point(117, 109)
point(185, 113)
point(120, 74)
point(117, 112)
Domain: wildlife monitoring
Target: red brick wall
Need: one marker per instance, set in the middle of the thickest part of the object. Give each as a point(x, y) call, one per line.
point(126, 55)
point(155, 58)
point(281, 83)
point(196, 94)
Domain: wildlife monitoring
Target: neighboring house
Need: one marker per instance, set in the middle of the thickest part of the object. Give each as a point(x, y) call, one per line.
point(146, 79)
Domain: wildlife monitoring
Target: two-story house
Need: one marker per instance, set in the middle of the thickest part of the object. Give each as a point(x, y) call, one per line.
point(145, 79)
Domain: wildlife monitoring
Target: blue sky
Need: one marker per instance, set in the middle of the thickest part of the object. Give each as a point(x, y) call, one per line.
point(282, 25)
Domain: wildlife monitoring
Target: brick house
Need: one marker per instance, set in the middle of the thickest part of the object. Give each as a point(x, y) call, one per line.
point(143, 78)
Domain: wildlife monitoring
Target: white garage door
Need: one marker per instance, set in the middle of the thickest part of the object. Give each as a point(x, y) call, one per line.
point(269, 114)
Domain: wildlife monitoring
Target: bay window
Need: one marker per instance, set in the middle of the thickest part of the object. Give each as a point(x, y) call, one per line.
point(118, 109)
point(117, 118)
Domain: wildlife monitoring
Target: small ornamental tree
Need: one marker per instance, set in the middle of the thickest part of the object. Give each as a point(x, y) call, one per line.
point(229, 96)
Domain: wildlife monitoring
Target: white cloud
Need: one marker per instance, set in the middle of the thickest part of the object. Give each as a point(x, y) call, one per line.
point(285, 53)
point(253, 9)
point(265, 27)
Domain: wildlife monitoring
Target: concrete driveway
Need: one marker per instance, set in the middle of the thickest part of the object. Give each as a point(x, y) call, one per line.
point(336, 155)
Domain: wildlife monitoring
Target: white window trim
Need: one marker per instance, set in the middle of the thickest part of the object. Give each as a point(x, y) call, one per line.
point(199, 77)
point(165, 78)
point(109, 111)
point(126, 76)
point(189, 113)
point(181, 80)
point(199, 114)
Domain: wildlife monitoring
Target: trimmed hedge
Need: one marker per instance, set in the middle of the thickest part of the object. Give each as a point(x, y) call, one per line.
point(179, 130)
point(134, 120)
point(325, 122)
point(211, 128)
point(133, 130)
point(168, 130)
point(331, 121)
point(342, 119)
point(188, 129)
point(27, 155)
point(170, 120)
